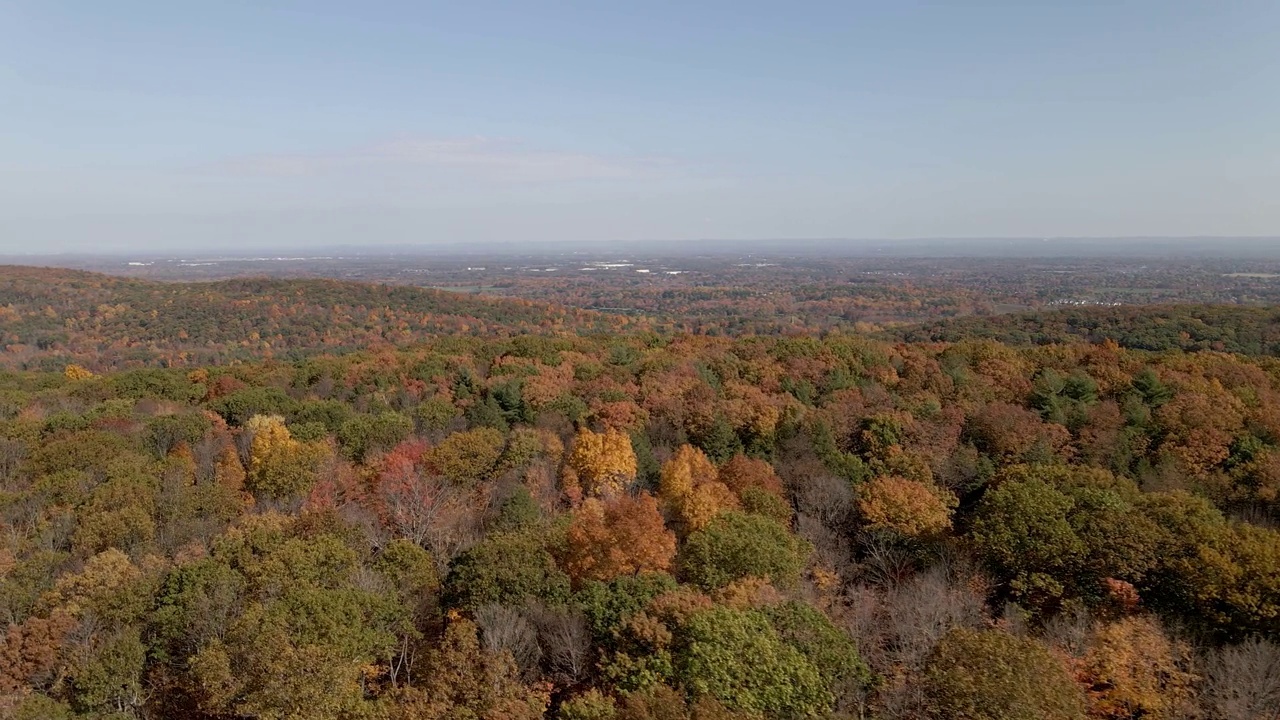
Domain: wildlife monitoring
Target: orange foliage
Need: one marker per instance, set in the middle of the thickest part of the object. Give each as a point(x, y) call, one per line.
point(905, 506)
point(742, 472)
point(620, 536)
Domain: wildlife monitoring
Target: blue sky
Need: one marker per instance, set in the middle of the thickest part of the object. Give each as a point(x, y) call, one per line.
point(258, 124)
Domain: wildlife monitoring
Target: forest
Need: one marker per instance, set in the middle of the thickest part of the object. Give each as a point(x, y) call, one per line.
point(295, 499)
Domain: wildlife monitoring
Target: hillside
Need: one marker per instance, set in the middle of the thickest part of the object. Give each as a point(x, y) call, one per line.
point(630, 527)
point(49, 317)
point(1225, 328)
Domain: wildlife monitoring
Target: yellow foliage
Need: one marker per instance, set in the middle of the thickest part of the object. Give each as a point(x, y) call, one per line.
point(604, 463)
point(706, 501)
point(689, 485)
point(103, 575)
point(76, 372)
point(279, 465)
point(621, 536)
point(904, 506)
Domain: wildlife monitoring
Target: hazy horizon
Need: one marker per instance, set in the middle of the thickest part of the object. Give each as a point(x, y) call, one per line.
point(1172, 248)
point(157, 127)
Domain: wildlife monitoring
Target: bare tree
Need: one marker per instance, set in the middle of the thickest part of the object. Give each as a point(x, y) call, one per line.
point(1242, 682)
point(897, 626)
point(507, 629)
point(1071, 632)
point(206, 451)
point(12, 453)
point(433, 513)
point(566, 642)
point(830, 548)
point(825, 497)
point(920, 611)
point(886, 561)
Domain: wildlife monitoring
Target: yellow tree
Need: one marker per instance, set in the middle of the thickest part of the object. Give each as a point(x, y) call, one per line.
point(76, 372)
point(279, 464)
point(905, 506)
point(602, 463)
point(1133, 669)
point(690, 488)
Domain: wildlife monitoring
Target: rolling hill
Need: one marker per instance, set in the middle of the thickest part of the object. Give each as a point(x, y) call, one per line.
point(50, 317)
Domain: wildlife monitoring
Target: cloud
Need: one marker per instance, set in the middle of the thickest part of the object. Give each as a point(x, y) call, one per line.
point(477, 158)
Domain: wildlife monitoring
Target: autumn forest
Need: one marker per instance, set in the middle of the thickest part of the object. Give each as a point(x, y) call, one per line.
point(624, 499)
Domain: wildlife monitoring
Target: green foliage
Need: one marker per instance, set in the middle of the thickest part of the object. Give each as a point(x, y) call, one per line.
point(166, 432)
point(831, 651)
point(991, 675)
point(241, 405)
point(738, 545)
point(607, 605)
point(41, 707)
point(331, 414)
point(111, 678)
point(591, 705)
point(759, 501)
point(719, 441)
point(1023, 531)
point(156, 384)
point(506, 569)
point(738, 658)
point(1149, 387)
point(363, 434)
point(1065, 539)
point(26, 582)
point(518, 512)
point(434, 414)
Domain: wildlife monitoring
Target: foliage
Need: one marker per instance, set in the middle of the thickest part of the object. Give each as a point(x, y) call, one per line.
point(622, 536)
point(604, 464)
point(991, 675)
point(735, 545)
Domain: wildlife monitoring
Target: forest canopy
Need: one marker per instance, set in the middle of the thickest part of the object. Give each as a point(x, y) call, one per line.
point(645, 525)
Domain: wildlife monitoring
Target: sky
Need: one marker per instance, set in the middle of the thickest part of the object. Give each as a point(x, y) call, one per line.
point(260, 124)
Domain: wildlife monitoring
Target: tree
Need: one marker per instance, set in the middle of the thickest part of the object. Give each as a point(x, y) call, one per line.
point(830, 649)
point(691, 491)
point(622, 536)
point(738, 658)
point(364, 434)
point(1133, 670)
point(735, 545)
point(1023, 532)
point(463, 680)
point(110, 679)
point(603, 463)
point(1242, 682)
point(468, 458)
point(506, 569)
point(75, 372)
point(279, 465)
point(904, 507)
point(742, 472)
point(992, 675)
point(1235, 581)
point(412, 501)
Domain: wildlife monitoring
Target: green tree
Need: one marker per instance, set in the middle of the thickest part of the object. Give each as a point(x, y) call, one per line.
point(1023, 531)
point(506, 569)
point(736, 545)
point(738, 658)
point(991, 675)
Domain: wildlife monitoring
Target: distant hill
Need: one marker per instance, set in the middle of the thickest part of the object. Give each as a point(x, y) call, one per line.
point(1227, 328)
point(49, 317)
